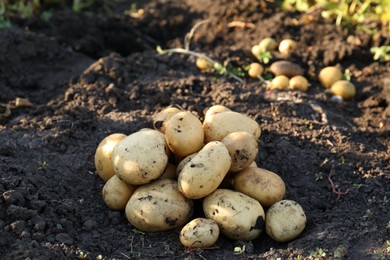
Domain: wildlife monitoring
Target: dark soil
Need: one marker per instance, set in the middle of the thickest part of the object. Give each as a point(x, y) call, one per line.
point(95, 73)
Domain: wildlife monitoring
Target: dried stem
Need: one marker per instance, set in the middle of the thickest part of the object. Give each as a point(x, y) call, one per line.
point(335, 189)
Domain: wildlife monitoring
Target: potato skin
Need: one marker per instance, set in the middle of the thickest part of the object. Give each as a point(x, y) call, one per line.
point(184, 134)
point(215, 110)
point(263, 185)
point(160, 120)
point(103, 153)
point(199, 233)
point(243, 149)
point(218, 126)
point(205, 171)
point(140, 157)
point(158, 206)
point(239, 217)
point(116, 193)
point(285, 220)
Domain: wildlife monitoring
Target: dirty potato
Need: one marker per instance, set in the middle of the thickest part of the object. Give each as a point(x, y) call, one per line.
point(160, 120)
point(158, 206)
point(116, 193)
point(199, 233)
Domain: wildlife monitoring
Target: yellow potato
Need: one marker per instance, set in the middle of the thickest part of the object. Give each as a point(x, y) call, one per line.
point(263, 185)
point(140, 157)
point(268, 44)
point(183, 162)
point(239, 217)
point(285, 220)
point(255, 70)
point(280, 82)
point(218, 126)
point(343, 88)
point(116, 193)
point(215, 110)
point(205, 172)
point(203, 64)
point(103, 153)
point(199, 233)
point(299, 82)
point(243, 149)
point(160, 120)
point(287, 45)
point(184, 134)
point(158, 206)
point(256, 50)
point(329, 75)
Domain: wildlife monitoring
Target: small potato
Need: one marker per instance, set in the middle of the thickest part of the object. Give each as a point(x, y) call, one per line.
point(343, 88)
point(116, 193)
point(299, 82)
point(285, 220)
point(280, 82)
point(217, 126)
point(255, 70)
point(286, 68)
point(329, 75)
point(169, 172)
point(103, 153)
point(263, 185)
point(140, 157)
point(215, 110)
point(268, 44)
point(158, 206)
point(287, 45)
point(204, 64)
point(199, 233)
point(256, 50)
point(205, 172)
point(239, 217)
point(184, 134)
point(160, 120)
point(243, 149)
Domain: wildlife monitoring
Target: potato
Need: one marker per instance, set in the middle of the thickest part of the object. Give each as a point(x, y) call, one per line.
point(215, 110)
point(263, 185)
point(268, 44)
point(183, 162)
point(199, 233)
point(169, 172)
point(160, 120)
point(204, 64)
point(218, 126)
point(140, 157)
point(280, 82)
point(256, 50)
point(103, 153)
point(343, 88)
point(287, 45)
point(238, 216)
point(255, 70)
point(205, 172)
point(184, 134)
point(299, 82)
point(285, 220)
point(116, 193)
point(243, 149)
point(329, 75)
point(158, 206)
point(286, 68)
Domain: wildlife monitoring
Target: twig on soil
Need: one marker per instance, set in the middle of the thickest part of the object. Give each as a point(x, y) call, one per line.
point(187, 38)
point(335, 189)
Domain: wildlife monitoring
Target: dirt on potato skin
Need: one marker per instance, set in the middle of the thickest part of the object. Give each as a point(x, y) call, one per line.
point(84, 87)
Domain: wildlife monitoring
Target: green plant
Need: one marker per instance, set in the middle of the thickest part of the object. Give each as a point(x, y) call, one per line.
point(381, 53)
point(318, 253)
point(264, 57)
point(42, 165)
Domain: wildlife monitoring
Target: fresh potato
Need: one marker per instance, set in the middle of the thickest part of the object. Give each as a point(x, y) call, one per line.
point(255, 70)
point(184, 134)
point(285, 220)
point(103, 153)
point(204, 64)
point(215, 110)
point(268, 44)
point(329, 75)
point(256, 50)
point(116, 193)
point(218, 126)
point(263, 185)
point(160, 120)
point(199, 233)
point(140, 157)
point(287, 45)
point(299, 82)
point(205, 172)
point(243, 149)
point(343, 88)
point(158, 206)
point(286, 68)
point(280, 82)
point(239, 217)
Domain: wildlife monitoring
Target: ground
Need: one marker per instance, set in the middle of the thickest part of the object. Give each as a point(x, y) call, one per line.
point(91, 74)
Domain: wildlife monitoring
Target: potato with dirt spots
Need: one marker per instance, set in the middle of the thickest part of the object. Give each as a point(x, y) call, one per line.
point(183, 162)
point(158, 206)
point(160, 120)
point(103, 163)
point(215, 110)
point(184, 134)
point(140, 157)
point(116, 193)
point(199, 233)
point(263, 185)
point(218, 126)
point(238, 216)
point(205, 171)
point(285, 220)
point(243, 149)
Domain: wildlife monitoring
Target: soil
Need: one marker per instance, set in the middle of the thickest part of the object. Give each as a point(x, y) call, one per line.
point(95, 73)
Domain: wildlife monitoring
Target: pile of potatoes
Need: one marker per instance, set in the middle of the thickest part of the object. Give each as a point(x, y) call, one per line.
point(156, 175)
